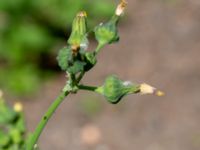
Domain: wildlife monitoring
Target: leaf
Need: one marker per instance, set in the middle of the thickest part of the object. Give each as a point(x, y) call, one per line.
point(15, 135)
point(6, 114)
point(78, 66)
point(65, 58)
point(4, 139)
point(90, 59)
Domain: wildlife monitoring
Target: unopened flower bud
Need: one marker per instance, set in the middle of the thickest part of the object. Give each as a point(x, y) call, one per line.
point(114, 89)
point(78, 36)
point(106, 33)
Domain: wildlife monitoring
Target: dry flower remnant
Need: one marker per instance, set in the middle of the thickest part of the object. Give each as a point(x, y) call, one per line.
point(120, 8)
point(147, 89)
point(75, 60)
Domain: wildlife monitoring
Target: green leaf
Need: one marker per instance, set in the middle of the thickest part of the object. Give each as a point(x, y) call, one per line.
point(6, 114)
point(78, 66)
point(90, 59)
point(20, 123)
point(16, 135)
point(4, 139)
point(65, 58)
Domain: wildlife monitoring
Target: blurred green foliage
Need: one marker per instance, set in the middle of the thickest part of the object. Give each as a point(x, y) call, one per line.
point(31, 31)
point(12, 128)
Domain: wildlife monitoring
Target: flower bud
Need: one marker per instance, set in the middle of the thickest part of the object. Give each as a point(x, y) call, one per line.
point(78, 36)
point(106, 33)
point(114, 89)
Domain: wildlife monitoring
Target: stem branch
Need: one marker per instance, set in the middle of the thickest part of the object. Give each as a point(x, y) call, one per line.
point(88, 88)
point(99, 46)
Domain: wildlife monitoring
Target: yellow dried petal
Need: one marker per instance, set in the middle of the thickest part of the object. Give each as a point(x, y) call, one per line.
point(120, 8)
point(160, 93)
point(146, 89)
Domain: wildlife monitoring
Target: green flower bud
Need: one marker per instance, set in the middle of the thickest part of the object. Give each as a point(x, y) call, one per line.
point(107, 33)
point(78, 36)
point(114, 89)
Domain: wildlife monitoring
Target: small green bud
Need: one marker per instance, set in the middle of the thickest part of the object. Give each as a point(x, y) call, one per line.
point(114, 89)
point(78, 36)
point(107, 33)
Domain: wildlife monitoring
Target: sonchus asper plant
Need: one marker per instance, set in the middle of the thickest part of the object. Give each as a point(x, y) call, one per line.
point(12, 126)
point(75, 61)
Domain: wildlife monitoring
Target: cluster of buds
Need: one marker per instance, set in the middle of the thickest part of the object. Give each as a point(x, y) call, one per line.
point(74, 59)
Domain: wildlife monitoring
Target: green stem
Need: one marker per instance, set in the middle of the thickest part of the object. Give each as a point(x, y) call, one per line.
point(80, 76)
point(45, 119)
point(100, 46)
point(88, 88)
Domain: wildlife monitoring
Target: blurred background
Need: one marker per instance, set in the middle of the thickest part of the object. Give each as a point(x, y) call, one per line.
point(160, 42)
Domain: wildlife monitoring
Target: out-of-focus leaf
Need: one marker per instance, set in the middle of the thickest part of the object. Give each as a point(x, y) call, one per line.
point(4, 139)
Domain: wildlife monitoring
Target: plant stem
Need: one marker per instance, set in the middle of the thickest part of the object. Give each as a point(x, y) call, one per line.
point(88, 88)
point(80, 76)
point(99, 46)
point(45, 119)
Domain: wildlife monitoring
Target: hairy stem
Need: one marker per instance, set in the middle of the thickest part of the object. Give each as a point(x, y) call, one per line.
point(45, 119)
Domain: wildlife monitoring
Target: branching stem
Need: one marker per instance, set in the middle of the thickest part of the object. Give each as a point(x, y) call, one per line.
point(88, 88)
